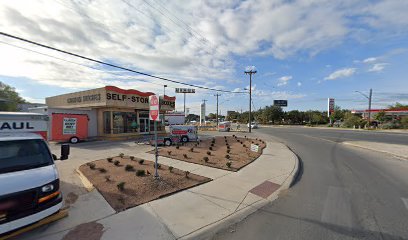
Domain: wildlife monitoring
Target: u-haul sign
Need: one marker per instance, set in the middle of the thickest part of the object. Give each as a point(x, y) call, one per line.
point(9, 126)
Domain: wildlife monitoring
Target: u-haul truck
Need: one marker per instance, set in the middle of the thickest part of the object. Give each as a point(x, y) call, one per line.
point(29, 181)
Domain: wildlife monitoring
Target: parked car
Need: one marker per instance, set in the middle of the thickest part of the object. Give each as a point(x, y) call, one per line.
point(254, 125)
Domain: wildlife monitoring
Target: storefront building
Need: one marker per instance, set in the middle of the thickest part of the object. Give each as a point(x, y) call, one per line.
point(118, 112)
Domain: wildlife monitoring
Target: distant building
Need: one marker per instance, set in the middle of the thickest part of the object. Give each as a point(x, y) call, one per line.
point(23, 107)
point(395, 113)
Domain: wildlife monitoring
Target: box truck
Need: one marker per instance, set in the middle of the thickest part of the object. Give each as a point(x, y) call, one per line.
point(29, 181)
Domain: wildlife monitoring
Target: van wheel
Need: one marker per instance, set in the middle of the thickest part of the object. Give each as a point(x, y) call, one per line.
point(167, 142)
point(184, 139)
point(74, 140)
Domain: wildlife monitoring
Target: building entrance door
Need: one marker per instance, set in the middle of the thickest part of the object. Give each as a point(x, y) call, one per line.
point(144, 122)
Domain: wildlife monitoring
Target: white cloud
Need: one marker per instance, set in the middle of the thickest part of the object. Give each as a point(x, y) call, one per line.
point(341, 73)
point(299, 84)
point(284, 80)
point(378, 67)
point(370, 60)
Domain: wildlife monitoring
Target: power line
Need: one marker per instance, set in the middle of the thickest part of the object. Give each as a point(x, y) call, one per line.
point(111, 65)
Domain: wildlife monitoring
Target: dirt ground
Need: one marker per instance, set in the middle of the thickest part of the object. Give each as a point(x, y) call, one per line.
point(240, 154)
point(137, 189)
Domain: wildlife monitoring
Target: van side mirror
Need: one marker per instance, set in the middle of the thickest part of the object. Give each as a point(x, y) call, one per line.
point(64, 151)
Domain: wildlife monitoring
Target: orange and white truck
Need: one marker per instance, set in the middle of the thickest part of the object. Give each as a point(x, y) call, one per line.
point(29, 180)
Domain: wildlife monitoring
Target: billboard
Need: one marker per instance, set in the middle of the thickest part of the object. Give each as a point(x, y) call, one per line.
point(280, 103)
point(330, 106)
point(185, 90)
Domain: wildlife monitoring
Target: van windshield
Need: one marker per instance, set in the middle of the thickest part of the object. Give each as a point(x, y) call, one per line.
point(23, 154)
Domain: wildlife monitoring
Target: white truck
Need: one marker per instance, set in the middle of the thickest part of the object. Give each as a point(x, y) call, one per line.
point(29, 181)
point(178, 133)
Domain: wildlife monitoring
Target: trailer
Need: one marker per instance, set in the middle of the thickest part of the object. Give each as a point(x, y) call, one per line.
point(68, 127)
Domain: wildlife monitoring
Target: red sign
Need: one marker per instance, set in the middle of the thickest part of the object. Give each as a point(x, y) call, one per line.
point(179, 132)
point(154, 108)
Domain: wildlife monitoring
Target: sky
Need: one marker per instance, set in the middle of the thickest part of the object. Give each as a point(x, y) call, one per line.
point(304, 51)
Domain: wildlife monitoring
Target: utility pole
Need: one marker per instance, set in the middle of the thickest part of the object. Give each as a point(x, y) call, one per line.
point(250, 72)
point(184, 104)
point(369, 97)
point(164, 112)
point(216, 115)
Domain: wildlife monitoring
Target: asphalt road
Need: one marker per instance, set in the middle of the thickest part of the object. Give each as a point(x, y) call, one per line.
point(342, 193)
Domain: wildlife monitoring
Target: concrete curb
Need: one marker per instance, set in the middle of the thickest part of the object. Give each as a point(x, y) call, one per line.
point(208, 231)
point(373, 149)
point(87, 184)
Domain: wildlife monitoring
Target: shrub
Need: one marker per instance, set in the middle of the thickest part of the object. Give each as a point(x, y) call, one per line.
point(170, 168)
point(228, 147)
point(245, 136)
point(121, 186)
point(186, 173)
point(91, 165)
point(140, 173)
point(169, 153)
point(132, 158)
point(191, 149)
point(178, 147)
point(228, 150)
point(244, 145)
point(141, 161)
point(229, 163)
point(109, 159)
point(129, 168)
point(121, 155)
point(209, 153)
point(116, 163)
point(210, 148)
point(185, 155)
point(108, 178)
point(233, 135)
point(206, 159)
point(102, 170)
point(227, 156)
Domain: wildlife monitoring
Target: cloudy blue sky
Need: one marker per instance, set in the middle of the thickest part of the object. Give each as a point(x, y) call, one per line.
point(304, 50)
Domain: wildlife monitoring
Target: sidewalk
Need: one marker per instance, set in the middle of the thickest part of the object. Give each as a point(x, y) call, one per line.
point(398, 131)
point(193, 213)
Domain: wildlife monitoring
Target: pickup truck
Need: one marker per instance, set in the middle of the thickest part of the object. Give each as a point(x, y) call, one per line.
point(29, 180)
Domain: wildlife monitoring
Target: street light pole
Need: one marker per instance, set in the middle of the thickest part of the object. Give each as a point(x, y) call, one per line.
point(369, 97)
point(216, 114)
point(164, 96)
point(250, 72)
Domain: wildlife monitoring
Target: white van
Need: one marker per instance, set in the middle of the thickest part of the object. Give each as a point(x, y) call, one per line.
point(29, 182)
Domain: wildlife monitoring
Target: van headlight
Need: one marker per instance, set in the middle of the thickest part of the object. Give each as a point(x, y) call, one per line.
point(47, 188)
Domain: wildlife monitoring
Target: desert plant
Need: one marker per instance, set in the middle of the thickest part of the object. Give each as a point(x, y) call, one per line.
point(140, 173)
point(228, 150)
point(132, 158)
point(169, 153)
point(129, 168)
point(233, 135)
point(244, 145)
point(191, 149)
point(102, 170)
point(108, 178)
point(186, 173)
point(229, 163)
point(209, 153)
point(170, 168)
point(227, 156)
point(210, 148)
point(185, 155)
point(141, 161)
point(212, 144)
point(228, 147)
point(121, 186)
point(178, 147)
point(91, 165)
point(121, 155)
point(109, 159)
point(116, 163)
point(206, 159)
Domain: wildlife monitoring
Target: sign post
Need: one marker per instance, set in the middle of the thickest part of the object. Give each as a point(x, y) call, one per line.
point(184, 91)
point(330, 108)
point(154, 116)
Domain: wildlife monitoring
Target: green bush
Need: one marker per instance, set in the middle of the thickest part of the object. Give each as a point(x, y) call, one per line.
point(210, 148)
point(132, 158)
point(187, 173)
point(109, 159)
point(129, 168)
point(141, 161)
point(191, 149)
point(229, 163)
point(178, 147)
point(228, 150)
point(227, 156)
point(208, 153)
point(102, 170)
point(185, 155)
point(170, 168)
point(169, 153)
point(206, 159)
point(140, 173)
point(108, 178)
point(116, 163)
point(91, 165)
point(121, 186)
point(404, 122)
point(121, 155)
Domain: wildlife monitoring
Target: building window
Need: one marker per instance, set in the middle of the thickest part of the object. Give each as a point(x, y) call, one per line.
point(107, 116)
point(124, 122)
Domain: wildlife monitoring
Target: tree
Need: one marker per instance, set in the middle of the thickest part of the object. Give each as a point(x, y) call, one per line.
point(337, 114)
point(352, 120)
point(380, 116)
point(9, 98)
point(211, 116)
point(294, 117)
point(398, 106)
point(192, 117)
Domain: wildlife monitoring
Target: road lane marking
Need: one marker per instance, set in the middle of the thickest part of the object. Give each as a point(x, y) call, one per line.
point(337, 207)
point(405, 201)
